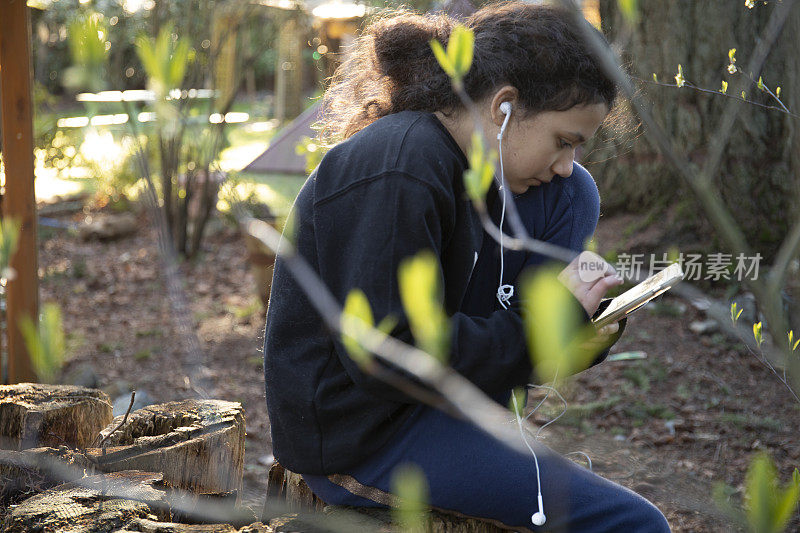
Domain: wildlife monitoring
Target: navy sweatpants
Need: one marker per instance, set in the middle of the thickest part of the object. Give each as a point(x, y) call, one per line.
point(467, 471)
point(470, 473)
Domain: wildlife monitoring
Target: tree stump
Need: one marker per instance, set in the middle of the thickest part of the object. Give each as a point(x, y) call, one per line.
point(143, 525)
point(282, 483)
point(198, 445)
point(25, 472)
point(69, 507)
point(96, 506)
point(34, 415)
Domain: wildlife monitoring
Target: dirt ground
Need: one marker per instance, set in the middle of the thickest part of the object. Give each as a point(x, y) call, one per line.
point(690, 414)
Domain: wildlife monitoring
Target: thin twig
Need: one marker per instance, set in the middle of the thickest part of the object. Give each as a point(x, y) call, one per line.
point(700, 182)
point(124, 420)
point(726, 94)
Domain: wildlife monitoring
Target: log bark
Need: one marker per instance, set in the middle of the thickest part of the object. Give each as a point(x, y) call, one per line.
point(198, 445)
point(77, 508)
point(95, 506)
point(144, 525)
point(25, 472)
point(34, 415)
point(283, 484)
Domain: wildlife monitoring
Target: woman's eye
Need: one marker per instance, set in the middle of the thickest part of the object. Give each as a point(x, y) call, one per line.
point(565, 144)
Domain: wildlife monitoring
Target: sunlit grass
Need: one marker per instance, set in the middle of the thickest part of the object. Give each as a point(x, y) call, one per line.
point(275, 190)
point(246, 142)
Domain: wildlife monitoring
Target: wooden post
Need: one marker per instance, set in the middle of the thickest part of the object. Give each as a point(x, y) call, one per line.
point(19, 201)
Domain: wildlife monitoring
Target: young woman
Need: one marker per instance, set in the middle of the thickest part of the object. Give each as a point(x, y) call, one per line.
point(394, 187)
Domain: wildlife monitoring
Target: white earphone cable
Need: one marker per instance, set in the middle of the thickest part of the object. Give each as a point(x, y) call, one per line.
point(504, 291)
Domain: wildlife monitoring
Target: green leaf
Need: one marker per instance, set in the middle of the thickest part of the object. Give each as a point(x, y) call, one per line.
point(760, 83)
point(759, 489)
point(777, 92)
point(627, 356)
point(679, 79)
point(757, 333)
point(478, 178)
point(164, 60)
point(460, 50)
point(419, 279)
point(45, 342)
point(518, 393)
point(387, 324)
point(411, 488)
point(744, 95)
point(443, 59)
point(655, 78)
point(724, 87)
point(734, 306)
point(785, 505)
point(732, 55)
point(9, 237)
point(553, 326)
point(88, 46)
point(769, 508)
point(629, 10)
point(356, 317)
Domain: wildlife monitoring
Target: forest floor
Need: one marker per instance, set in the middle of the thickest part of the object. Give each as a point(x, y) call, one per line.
point(690, 414)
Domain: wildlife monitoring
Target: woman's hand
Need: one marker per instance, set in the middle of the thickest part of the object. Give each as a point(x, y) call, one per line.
point(588, 277)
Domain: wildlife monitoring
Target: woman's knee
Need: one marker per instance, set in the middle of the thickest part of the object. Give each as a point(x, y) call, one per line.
point(635, 513)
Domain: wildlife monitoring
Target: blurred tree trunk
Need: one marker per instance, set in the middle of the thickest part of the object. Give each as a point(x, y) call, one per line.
point(758, 178)
point(288, 69)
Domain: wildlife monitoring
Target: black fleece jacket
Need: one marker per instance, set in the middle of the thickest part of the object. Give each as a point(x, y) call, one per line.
point(388, 192)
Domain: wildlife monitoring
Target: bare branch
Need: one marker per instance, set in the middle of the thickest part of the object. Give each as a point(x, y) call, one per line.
point(731, 112)
point(701, 182)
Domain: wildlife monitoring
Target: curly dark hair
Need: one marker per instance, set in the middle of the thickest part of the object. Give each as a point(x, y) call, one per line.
point(391, 68)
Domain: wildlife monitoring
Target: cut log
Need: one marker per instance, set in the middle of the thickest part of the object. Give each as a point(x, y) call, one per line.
point(26, 472)
point(69, 507)
point(34, 415)
point(283, 484)
point(96, 505)
point(197, 444)
point(143, 525)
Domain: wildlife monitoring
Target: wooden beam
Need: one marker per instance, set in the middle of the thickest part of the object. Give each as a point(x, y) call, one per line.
point(19, 200)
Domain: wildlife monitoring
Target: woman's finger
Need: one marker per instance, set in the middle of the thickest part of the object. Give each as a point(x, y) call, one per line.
point(607, 330)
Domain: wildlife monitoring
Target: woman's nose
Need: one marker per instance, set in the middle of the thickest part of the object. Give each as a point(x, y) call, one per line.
point(563, 165)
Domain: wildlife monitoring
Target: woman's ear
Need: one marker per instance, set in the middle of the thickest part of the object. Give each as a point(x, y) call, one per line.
point(506, 93)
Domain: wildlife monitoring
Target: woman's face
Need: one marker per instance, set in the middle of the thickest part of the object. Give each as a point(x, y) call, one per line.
point(539, 147)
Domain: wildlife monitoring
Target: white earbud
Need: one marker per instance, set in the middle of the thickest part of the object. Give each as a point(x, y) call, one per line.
point(505, 108)
point(539, 519)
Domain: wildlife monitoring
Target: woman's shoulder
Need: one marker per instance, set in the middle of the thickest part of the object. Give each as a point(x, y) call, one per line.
point(410, 143)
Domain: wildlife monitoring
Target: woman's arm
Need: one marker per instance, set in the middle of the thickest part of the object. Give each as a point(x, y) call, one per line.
point(363, 234)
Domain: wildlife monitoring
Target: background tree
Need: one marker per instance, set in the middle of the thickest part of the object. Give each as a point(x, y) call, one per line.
point(758, 176)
